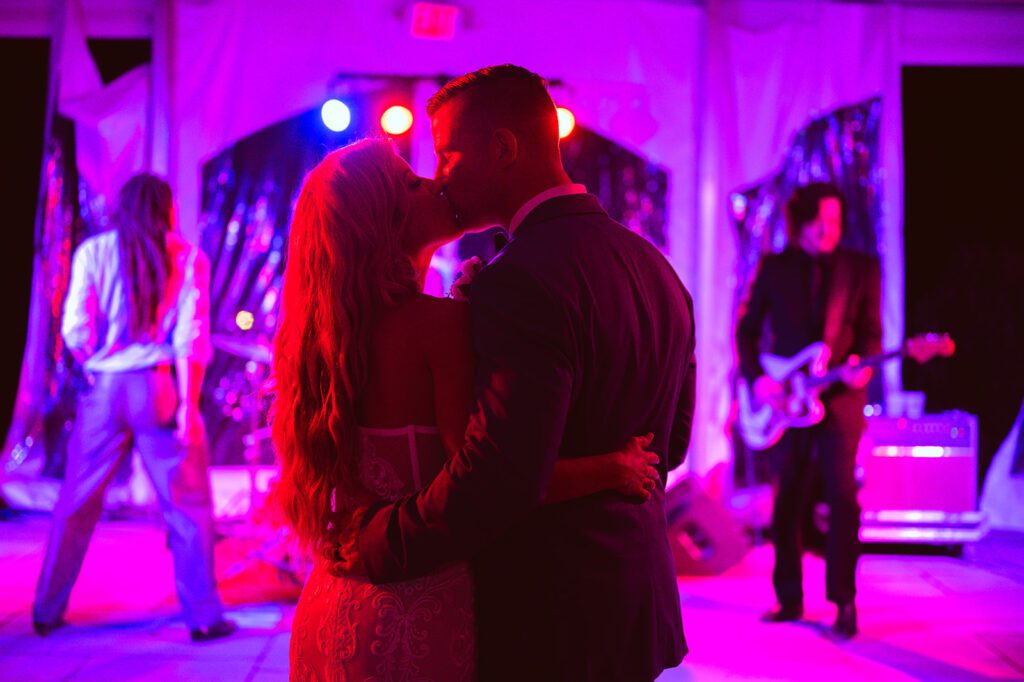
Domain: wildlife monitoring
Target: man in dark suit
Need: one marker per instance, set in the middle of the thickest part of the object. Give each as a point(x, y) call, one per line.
point(585, 337)
point(814, 291)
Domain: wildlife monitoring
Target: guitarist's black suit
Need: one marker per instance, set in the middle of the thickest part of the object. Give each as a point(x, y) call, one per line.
point(795, 300)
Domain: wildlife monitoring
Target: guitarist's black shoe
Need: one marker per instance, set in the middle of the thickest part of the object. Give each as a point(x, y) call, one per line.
point(784, 613)
point(846, 622)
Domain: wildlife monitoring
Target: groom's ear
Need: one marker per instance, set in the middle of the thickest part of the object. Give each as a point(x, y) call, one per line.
point(505, 146)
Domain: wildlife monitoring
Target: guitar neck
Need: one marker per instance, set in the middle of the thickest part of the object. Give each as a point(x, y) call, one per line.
point(835, 374)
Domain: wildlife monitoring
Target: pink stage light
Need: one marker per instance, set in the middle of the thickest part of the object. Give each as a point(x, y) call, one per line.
point(434, 21)
point(396, 120)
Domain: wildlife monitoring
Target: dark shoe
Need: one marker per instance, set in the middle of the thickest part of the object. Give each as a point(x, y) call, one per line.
point(846, 622)
point(44, 629)
point(221, 628)
point(784, 613)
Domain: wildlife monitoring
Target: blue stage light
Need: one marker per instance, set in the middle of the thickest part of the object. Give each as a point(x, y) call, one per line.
point(336, 115)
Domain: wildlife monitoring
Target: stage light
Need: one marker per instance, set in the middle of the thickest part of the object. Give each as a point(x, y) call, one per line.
point(244, 319)
point(566, 122)
point(396, 120)
point(335, 115)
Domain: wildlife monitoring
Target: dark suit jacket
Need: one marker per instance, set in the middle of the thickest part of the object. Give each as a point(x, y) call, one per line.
point(780, 294)
point(585, 337)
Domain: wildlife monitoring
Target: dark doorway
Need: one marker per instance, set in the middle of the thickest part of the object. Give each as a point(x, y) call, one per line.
point(22, 141)
point(963, 147)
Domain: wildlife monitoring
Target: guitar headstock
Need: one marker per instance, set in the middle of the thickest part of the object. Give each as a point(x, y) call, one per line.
point(924, 347)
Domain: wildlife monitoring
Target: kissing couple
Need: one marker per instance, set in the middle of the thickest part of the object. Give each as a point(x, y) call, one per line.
point(481, 482)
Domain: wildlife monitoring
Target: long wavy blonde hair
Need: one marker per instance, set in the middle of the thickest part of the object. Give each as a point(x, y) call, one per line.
point(345, 264)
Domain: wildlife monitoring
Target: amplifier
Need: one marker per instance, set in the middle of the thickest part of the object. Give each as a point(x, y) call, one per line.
point(919, 479)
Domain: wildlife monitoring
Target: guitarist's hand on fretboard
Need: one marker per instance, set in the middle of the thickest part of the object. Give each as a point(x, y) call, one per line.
point(853, 375)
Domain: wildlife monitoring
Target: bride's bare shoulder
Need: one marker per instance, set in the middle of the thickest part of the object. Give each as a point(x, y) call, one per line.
point(431, 315)
point(443, 315)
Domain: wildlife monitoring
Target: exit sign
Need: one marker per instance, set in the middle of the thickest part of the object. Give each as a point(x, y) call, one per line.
point(434, 21)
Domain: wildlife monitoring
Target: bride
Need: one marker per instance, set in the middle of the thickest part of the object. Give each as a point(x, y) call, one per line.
point(373, 392)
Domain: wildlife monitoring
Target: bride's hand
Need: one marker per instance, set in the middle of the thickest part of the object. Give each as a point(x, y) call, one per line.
point(635, 474)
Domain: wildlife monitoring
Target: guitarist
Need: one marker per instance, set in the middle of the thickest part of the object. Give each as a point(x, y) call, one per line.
point(814, 291)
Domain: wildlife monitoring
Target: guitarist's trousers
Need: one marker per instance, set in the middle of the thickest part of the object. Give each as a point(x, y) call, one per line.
point(815, 464)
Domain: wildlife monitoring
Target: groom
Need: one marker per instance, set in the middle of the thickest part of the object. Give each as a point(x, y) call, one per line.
point(585, 337)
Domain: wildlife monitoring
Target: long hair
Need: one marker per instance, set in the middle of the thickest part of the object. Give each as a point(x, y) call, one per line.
point(143, 219)
point(345, 264)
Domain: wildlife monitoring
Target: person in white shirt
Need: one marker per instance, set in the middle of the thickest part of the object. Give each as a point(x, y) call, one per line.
point(136, 317)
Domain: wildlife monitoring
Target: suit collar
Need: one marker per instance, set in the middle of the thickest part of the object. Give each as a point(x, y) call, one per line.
point(540, 198)
point(559, 207)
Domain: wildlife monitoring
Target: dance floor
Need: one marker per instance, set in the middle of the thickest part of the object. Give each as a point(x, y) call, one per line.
point(921, 617)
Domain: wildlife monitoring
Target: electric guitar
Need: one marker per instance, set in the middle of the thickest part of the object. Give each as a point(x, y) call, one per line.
point(804, 377)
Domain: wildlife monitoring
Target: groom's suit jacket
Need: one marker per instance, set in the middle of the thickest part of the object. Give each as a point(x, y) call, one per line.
point(585, 337)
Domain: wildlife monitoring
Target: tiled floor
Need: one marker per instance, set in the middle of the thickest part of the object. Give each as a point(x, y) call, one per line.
point(922, 617)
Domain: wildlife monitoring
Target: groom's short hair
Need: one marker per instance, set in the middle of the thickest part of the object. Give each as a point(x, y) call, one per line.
point(505, 96)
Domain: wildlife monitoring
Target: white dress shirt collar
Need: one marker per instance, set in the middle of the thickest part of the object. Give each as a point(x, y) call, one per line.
point(558, 191)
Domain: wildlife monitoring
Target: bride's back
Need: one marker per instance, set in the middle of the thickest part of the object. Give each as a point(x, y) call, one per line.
point(349, 628)
point(421, 367)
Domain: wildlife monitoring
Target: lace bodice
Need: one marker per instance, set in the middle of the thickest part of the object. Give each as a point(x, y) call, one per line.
point(399, 461)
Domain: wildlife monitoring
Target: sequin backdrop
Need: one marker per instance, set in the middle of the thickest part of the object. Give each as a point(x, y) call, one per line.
point(842, 147)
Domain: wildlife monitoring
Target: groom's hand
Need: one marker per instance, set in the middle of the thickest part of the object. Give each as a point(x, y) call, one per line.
point(637, 474)
point(346, 558)
point(467, 273)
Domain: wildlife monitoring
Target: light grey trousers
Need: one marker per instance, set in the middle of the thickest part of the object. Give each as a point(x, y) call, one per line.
point(122, 411)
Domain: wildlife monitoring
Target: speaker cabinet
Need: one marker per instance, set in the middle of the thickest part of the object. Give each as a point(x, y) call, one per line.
point(704, 536)
point(918, 479)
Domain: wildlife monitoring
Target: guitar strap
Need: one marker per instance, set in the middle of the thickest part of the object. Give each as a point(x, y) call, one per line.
point(838, 300)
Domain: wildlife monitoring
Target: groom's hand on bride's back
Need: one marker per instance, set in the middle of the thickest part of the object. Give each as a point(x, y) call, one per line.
point(635, 472)
point(343, 554)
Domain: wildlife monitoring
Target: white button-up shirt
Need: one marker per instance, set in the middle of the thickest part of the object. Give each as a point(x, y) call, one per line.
point(95, 324)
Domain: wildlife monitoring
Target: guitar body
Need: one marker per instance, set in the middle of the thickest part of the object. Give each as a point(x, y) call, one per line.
point(804, 376)
point(761, 426)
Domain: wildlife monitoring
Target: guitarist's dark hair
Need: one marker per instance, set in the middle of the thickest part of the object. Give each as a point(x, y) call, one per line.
point(802, 206)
